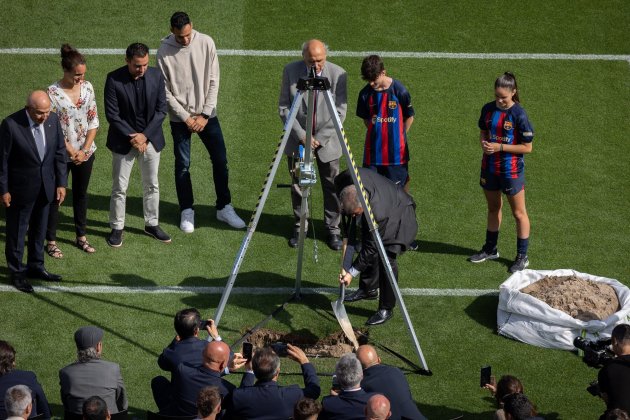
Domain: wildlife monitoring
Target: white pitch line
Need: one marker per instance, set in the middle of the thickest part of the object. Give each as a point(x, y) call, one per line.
point(237, 290)
point(387, 54)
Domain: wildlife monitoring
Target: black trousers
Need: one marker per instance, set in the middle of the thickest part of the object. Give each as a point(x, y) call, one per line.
point(376, 276)
point(80, 179)
point(22, 220)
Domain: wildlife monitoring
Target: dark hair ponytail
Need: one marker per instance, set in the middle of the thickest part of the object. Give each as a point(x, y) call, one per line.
point(508, 81)
point(70, 57)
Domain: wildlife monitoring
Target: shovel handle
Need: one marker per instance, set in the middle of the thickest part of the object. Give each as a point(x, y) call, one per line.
point(342, 286)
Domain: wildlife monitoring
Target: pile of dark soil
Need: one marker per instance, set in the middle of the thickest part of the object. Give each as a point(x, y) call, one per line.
point(334, 345)
point(580, 298)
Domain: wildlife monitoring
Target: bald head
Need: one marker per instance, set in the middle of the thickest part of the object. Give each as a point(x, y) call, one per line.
point(377, 408)
point(314, 54)
point(38, 106)
point(367, 356)
point(216, 355)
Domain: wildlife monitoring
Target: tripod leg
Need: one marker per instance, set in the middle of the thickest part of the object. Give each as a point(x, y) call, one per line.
point(372, 224)
point(273, 168)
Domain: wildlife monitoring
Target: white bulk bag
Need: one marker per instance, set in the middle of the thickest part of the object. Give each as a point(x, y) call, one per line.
point(528, 319)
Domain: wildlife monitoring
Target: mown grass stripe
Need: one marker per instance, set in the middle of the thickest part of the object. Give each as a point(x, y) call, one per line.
point(387, 54)
point(236, 290)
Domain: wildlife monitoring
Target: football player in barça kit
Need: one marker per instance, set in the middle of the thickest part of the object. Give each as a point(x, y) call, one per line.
point(506, 135)
point(384, 104)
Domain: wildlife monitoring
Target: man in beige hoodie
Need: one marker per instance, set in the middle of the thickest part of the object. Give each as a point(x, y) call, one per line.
point(188, 60)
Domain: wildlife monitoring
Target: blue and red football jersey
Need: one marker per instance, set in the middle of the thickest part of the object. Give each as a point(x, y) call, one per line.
point(386, 139)
point(506, 126)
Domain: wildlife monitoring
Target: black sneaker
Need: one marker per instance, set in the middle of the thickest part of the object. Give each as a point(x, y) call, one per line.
point(157, 233)
point(483, 255)
point(115, 238)
point(520, 263)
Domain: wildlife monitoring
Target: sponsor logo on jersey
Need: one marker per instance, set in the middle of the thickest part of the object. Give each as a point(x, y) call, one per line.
point(507, 125)
point(376, 119)
point(500, 139)
point(392, 104)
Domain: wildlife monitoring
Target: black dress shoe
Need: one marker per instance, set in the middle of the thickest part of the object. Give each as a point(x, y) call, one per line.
point(334, 242)
point(293, 240)
point(361, 294)
point(380, 317)
point(43, 275)
point(20, 283)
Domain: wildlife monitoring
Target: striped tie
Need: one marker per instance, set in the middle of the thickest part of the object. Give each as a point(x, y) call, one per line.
point(39, 141)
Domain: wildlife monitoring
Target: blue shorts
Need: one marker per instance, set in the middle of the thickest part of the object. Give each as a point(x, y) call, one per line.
point(398, 174)
point(508, 186)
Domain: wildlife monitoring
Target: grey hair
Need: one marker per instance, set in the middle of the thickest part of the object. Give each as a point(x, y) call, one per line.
point(17, 399)
point(305, 45)
point(349, 371)
point(349, 199)
point(88, 354)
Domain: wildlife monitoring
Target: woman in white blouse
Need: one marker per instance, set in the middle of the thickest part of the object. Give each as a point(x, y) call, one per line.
point(72, 98)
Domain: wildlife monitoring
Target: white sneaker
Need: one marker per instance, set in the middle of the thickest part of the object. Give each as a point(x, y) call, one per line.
point(229, 216)
point(187, 223)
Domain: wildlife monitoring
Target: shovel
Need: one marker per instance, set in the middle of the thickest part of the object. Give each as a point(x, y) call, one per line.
point(340, 310)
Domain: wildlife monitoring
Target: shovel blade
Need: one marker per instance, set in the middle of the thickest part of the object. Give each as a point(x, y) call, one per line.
point(344, 322)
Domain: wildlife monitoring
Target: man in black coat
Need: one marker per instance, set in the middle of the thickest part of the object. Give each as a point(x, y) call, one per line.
point(266, 400)
point(188, 380)
point(32, 175)
point(389, 381)
point(395, 214)
point(135, 107)
point(9, 376)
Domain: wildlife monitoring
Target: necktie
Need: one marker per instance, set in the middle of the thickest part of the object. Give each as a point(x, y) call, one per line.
point(39, 141)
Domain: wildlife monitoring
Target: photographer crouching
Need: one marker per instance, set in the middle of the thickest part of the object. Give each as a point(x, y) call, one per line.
point(614, 377)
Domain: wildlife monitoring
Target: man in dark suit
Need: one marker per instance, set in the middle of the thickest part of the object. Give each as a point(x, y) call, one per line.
point(389, 381)
point(395, 213)
point(325, 143)
point(135, 107)
point(32, 175)
point(268, 400)
point(185, 347)
point(9, 376)
point(350, 402)
point(188, 380)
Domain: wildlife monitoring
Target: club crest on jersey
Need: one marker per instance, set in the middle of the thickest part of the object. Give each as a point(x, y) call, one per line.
point(392, 104)
point(507, 125)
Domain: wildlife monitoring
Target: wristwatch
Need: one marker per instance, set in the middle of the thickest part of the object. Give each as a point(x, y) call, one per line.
point(86, 151)
point(205, 116)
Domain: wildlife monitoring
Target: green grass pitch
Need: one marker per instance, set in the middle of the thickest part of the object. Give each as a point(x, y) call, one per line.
point(578, 187)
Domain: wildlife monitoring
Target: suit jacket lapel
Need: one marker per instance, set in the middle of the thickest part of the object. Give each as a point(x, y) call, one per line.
point(28, 134)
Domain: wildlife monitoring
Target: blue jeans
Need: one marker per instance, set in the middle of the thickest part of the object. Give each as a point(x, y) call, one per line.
point(212, 138)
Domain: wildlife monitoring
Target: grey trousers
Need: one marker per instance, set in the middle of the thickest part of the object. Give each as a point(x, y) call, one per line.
point(149, 161)
point(327, 172)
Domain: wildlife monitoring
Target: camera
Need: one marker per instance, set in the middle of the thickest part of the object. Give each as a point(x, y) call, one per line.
point(596, 353)
point(203, 324)
point(593, 388)
point(280, 349)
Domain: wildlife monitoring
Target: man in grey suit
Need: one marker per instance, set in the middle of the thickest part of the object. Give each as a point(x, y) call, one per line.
point(325, 143)
point(90, 375)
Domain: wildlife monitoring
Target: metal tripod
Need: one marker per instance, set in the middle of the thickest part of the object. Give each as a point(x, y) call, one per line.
point(306, 177)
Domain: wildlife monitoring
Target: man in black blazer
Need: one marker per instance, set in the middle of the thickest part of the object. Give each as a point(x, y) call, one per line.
point(32, 175)
point(9, 376)
point(188, 380)
point(135, 107)
point(389, 381)
point(395, 214)
point(266, 399)
point(350, 401)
